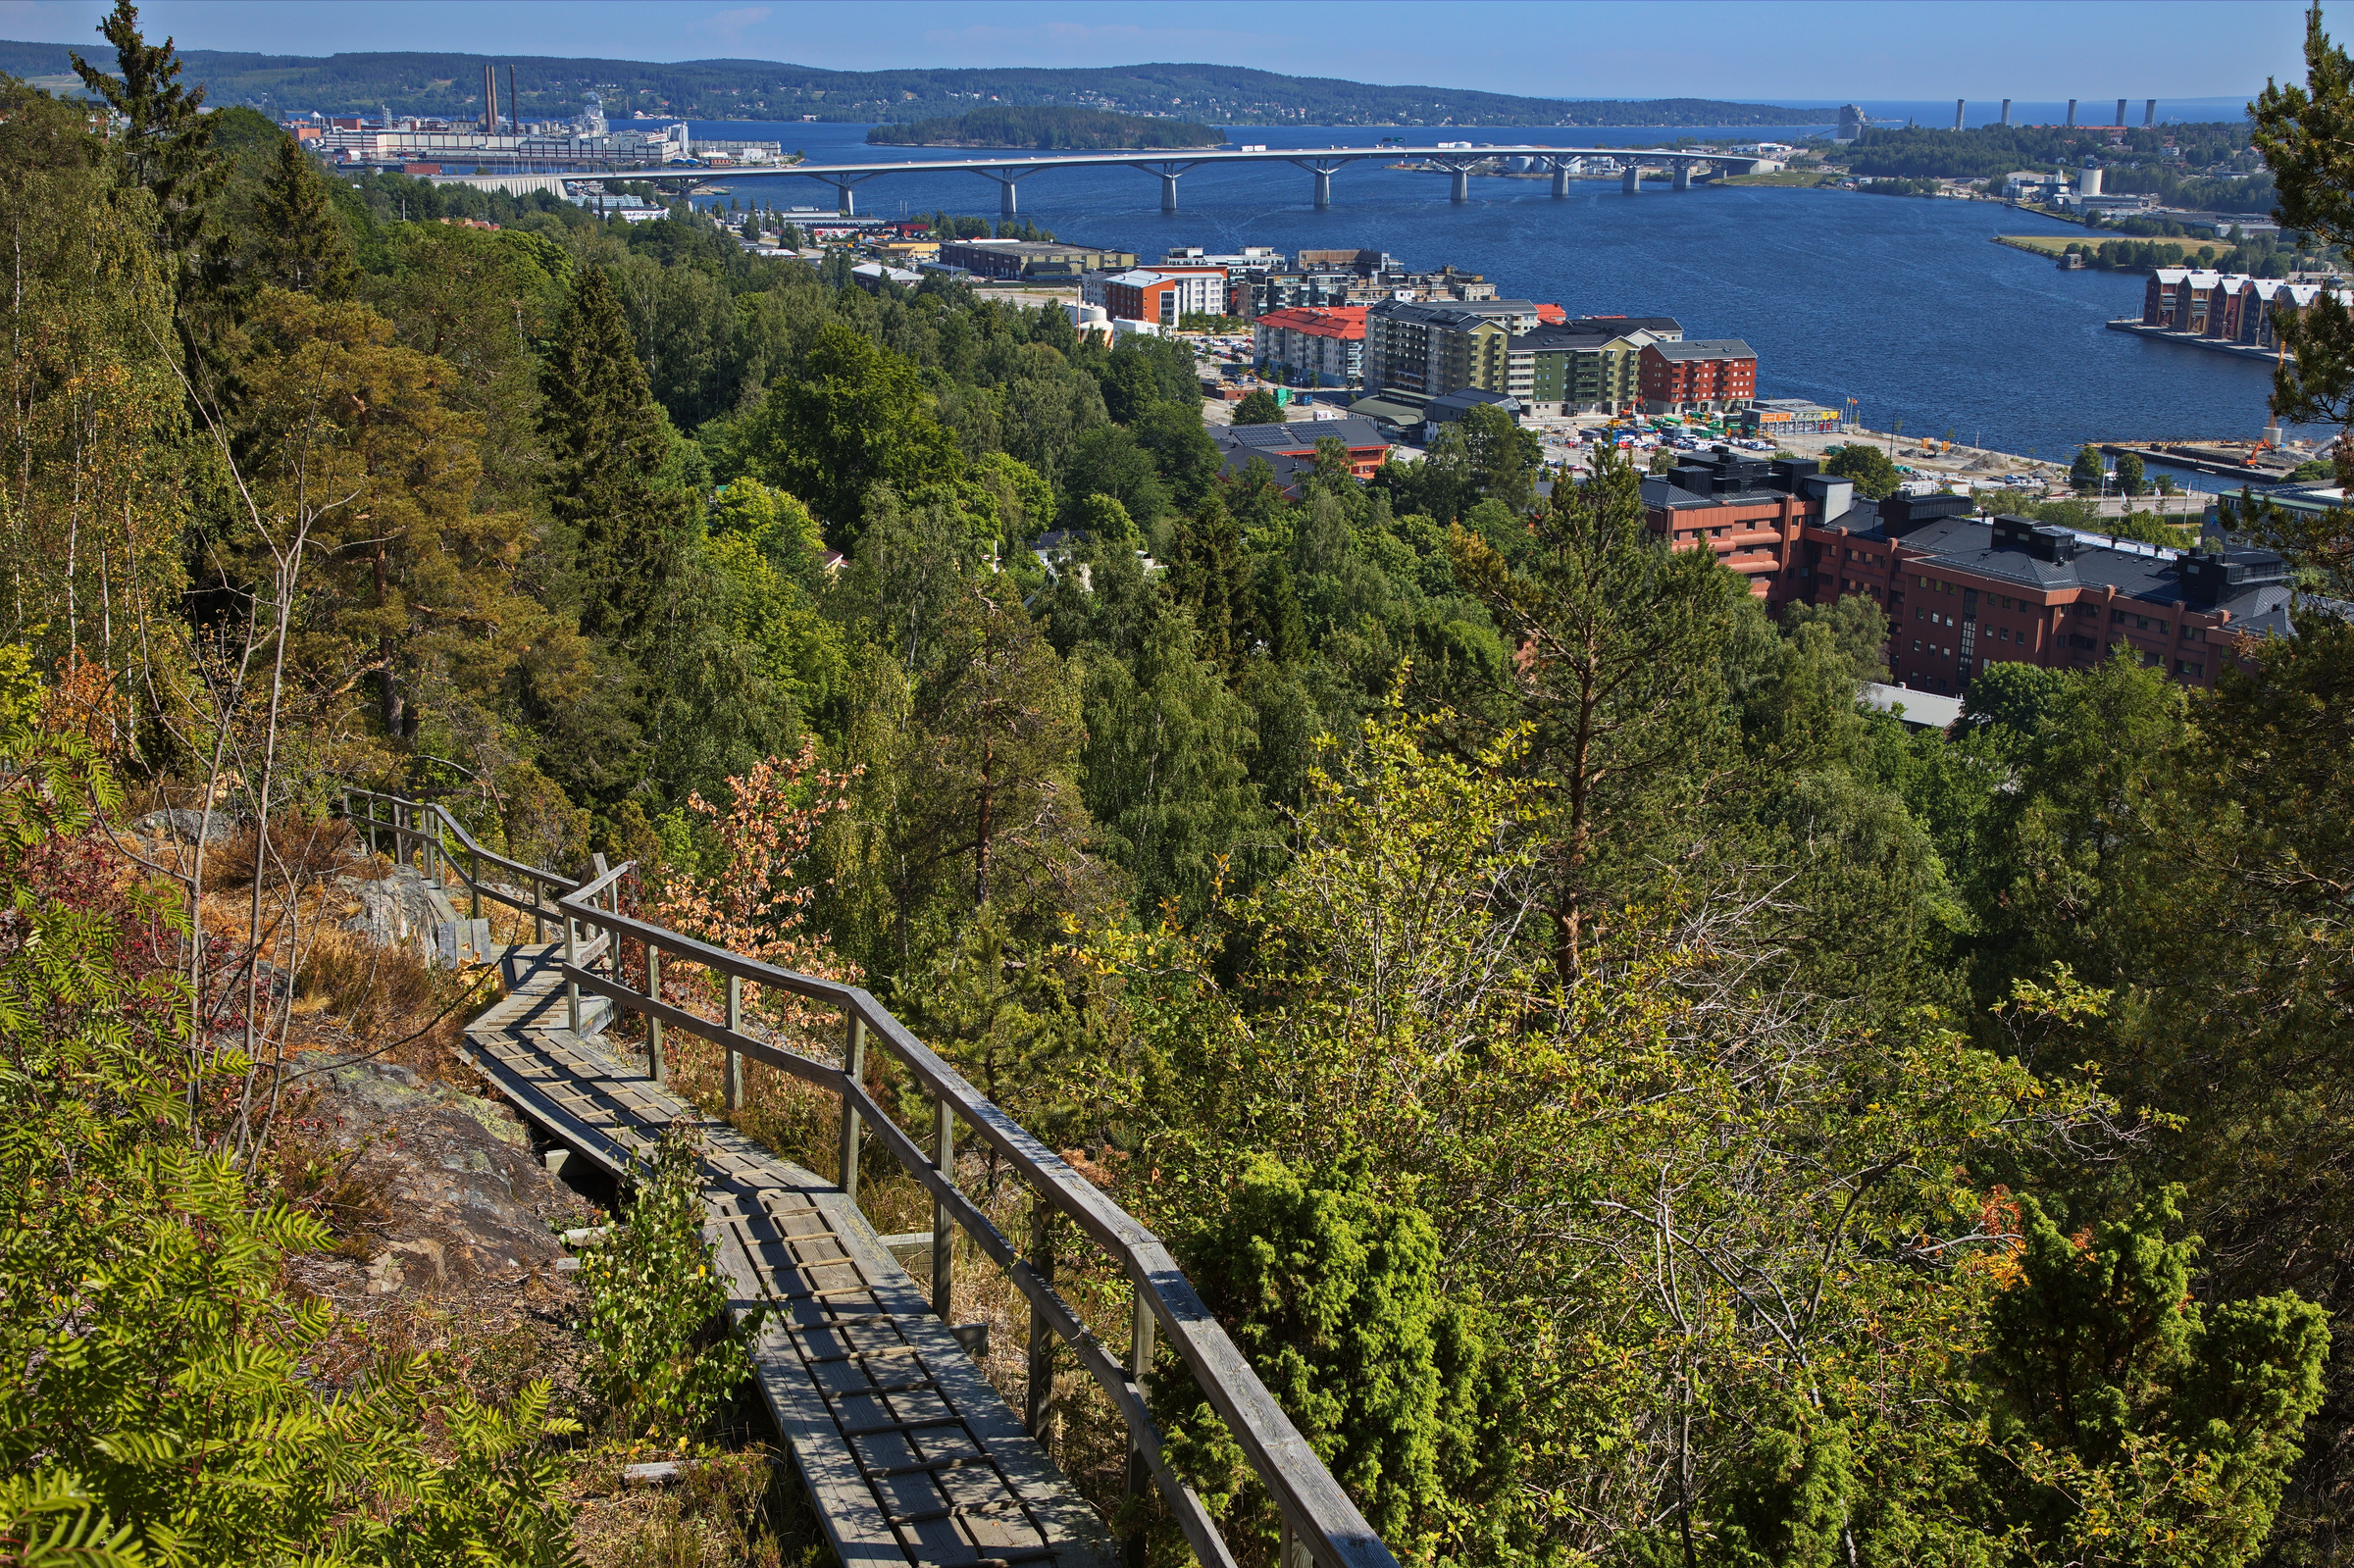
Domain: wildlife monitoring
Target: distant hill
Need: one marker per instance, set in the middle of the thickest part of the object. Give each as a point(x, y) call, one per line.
point(451, 85)
point(1046, 129)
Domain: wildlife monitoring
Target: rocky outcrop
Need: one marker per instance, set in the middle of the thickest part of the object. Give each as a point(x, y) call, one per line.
point(462, 1196)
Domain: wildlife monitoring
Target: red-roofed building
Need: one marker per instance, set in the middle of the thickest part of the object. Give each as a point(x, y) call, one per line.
point(1551, 312)
point(1323, 346)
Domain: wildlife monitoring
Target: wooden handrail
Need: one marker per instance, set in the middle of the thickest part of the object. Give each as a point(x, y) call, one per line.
point(1317, 1514)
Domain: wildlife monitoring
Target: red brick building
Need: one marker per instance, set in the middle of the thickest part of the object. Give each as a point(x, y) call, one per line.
point(1709, 375)
point(1962, 591)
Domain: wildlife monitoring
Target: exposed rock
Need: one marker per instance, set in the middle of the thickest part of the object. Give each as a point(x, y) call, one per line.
point(464, 1197)
point(189, 826)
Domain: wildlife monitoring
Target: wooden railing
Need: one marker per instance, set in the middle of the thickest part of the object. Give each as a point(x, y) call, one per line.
point(1320, 1524)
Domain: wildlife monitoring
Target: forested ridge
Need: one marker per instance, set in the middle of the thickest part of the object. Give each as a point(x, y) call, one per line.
point(450, 85)
point(1633, 1104)
point(1045, 130)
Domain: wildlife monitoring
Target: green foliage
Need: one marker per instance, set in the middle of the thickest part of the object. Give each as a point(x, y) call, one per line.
point(1332, 1292)
point(162, 1398)
point(1258, 407)
point(2129, 474)
point(664, 1356)
point(856, 416)
point(2138, 1419)
point(1165, 770)
point(2089, 472)
point(1874, 475)
point(303, 245)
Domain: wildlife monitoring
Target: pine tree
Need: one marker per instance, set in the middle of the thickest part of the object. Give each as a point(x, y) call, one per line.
point(1620, 674)
point(606, 438)
point(303, 247)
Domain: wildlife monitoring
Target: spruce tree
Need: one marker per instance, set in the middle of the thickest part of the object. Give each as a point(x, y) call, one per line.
point(303, 247)
point(1209, 577)
point(168, 144)
point(606, 438)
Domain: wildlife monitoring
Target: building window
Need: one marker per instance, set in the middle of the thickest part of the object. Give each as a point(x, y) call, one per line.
point(2185, 667)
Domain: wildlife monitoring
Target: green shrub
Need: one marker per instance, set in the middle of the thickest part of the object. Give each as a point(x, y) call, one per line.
point(1331, 1289)
point(664, 1358)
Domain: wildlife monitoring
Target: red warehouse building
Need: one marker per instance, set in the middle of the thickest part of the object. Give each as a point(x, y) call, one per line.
point(1962, 591)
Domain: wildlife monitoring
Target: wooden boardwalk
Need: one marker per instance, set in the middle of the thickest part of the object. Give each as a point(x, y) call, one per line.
point(908, 1452)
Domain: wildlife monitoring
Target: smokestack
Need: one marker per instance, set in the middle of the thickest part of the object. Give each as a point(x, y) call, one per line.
point(2120, 113)
point(1956, 113)
point(515, 113)
point(490, 101)
point(2149, 114)
point(2005, 111)
point(2071, 114)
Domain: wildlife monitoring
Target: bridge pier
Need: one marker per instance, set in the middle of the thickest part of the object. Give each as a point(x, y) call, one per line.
point(1631, 180)
point(1168, 171)
point(1323, 168)
point(1683, 177)
point(1561, 179)
point(1459, 188)
point(1006, 179)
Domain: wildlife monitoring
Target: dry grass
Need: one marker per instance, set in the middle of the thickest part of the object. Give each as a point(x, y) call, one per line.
point(745, 1510)
point(301, 852)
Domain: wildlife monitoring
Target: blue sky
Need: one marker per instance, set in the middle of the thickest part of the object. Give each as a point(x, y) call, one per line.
point(1764, 50)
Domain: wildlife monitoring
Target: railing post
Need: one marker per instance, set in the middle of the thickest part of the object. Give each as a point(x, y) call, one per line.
point(1140, 1475)
point(735, 1027)
point(473, 884)
point(1038, 1413)
point(538, 920)
point(855, 1068)
point(944, 1230)
point(656, 1068)
point(572, 987)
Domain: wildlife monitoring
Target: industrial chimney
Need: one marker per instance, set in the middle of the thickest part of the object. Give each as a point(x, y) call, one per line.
point(2005, 111)
point(514, 103)
point(1956, 113)
point(2071, 114)
point(2120, 113)
point(2149, 114)
point(490, 100)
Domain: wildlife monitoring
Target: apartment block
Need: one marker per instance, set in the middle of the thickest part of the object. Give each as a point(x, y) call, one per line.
point(1434, 348)
point(1321, 348)
point(1962, 592)
point(1714, 376)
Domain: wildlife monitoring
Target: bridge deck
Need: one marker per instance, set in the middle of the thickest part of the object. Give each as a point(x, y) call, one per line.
point(908, 1452)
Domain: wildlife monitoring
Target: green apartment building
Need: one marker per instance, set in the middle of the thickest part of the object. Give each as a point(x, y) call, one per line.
point(1588, 366)
point(1554, 368)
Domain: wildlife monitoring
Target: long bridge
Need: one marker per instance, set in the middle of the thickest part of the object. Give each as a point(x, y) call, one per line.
point(911, 1456)
point(1320, 162)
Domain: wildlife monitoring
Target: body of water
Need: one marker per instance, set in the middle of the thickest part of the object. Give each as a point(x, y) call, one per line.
point(1903, 304)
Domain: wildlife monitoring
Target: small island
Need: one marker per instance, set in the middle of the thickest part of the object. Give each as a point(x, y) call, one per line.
point(1046, 129)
